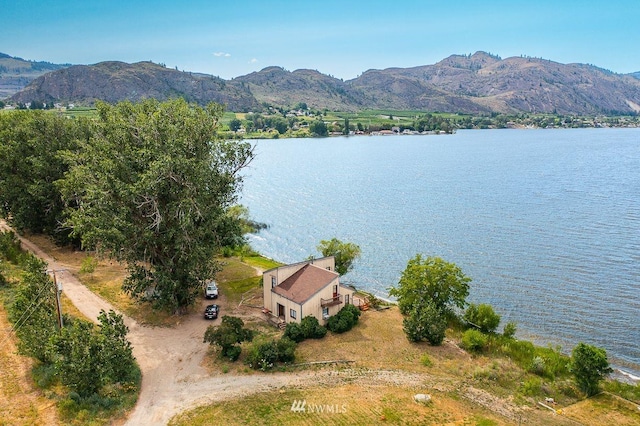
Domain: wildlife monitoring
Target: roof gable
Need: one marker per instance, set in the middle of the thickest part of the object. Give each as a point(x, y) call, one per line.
point(306, 282)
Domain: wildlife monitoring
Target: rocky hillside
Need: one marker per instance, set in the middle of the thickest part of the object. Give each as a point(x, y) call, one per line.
point(16, 73)
point(525, 84)
point(478, 83)
point(118, 81)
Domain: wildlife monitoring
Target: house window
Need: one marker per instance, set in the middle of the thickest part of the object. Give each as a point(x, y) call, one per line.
point(346, 299)
point(325, 313)
point(292, 313)
point(273, 281)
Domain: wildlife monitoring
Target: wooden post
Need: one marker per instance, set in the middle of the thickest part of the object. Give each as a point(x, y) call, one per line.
point(58, 290)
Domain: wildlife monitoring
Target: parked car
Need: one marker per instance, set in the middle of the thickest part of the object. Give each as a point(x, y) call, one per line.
point(211, 312)
point(211, 290)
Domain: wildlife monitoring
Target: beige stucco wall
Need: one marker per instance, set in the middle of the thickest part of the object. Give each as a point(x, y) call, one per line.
point(288, 305)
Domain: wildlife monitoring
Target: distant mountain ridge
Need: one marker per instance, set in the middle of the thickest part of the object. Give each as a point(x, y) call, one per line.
point(478, 83)
point(114, 81)
point(16, 73)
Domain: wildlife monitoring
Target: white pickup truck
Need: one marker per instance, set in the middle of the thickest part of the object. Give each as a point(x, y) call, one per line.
point(211, 290)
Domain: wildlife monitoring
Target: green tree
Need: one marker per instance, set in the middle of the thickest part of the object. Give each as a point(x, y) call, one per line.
point(431, 279)
point(590, 366)
point(152, 187)
point(88, 357)
point(483, 316)
point(33, 311)
point(318, 128)
point(428, 291)
point(425, 322)
point(345, 253)
point(227, 336)
point(78, 361)
point(116, 353)
point(30, 164)
point(281, 125)
point(235, 125)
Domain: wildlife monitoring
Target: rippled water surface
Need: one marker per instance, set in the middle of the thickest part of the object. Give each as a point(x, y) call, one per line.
point(545, 222)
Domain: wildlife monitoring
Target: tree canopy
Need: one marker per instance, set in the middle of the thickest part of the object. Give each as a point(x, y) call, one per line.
point(428, 291)
point(431, 279)
point(345, 253)
point(152, 187)
point(590, 366)
point(30, 164)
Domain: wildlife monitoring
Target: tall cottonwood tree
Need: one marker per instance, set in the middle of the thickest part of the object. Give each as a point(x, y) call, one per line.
point(30, 164)
point(152, 188)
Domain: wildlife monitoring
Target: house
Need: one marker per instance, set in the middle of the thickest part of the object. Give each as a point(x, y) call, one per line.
point(312, 287)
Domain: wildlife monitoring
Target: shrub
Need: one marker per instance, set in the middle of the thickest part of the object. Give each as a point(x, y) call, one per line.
point(230, 332)
point(10, 247)
point(311, 328)
point(425, 322)
point(531, 387)
point(473, 340)
point(590, 366)
point(265, 354)
point(521, 351)
point(509, 330)
point(232, 353)
point(425, 360)
point(286, 350)
point(538, 366)
point(344, 320)
point(293, 331)
point(482, 316)
point(88, 265)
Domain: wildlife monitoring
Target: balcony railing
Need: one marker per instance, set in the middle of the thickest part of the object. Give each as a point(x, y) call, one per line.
point(336, 300)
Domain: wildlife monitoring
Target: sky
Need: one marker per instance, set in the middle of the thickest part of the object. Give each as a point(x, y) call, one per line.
point(338, 38)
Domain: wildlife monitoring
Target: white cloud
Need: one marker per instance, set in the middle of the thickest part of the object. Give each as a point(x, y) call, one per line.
point(222, 54)
point(253, 61)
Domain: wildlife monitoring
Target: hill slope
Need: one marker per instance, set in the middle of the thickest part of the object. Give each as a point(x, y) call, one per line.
point(16, 73)
point(478, 83)
point(118, 81)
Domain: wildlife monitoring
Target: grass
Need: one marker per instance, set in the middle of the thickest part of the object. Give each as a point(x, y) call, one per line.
point(30, 393)
point(261, 262)
point(345, 404)
point(21, 403)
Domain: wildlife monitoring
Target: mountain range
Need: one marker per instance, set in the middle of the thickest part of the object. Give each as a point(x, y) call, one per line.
point(480, 83)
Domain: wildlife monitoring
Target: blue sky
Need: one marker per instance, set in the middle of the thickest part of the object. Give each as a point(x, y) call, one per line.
point(339, 38)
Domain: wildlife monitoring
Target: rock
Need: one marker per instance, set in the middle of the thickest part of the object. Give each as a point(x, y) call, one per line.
point(422, 398)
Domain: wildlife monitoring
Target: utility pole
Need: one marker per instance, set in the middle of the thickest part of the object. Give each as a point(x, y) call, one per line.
point(57, 288)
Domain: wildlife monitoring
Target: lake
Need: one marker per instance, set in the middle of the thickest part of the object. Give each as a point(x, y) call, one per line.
point(545, 222)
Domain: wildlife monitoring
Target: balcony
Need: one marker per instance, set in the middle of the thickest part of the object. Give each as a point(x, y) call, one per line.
point(335, 300)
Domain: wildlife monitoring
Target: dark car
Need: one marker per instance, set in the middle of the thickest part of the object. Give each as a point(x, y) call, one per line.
point(211, 312)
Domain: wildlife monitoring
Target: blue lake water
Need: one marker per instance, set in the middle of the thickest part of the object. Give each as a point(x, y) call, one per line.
point(545, 222)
